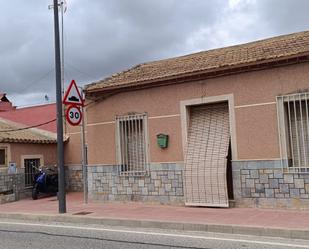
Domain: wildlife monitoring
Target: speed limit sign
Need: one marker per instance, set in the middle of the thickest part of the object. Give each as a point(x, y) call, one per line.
point(74, 115)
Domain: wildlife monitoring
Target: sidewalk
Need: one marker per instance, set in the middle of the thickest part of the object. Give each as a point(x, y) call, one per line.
point(264, 222)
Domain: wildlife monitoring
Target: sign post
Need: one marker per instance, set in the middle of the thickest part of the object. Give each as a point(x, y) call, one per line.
point(84, 158)
point(75, 116)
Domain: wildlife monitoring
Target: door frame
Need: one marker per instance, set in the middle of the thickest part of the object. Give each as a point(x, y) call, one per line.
point(185, 118)
point(37, 156)
point(30, 157)
point(7, 149)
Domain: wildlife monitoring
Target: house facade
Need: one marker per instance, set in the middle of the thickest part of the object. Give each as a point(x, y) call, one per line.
point(22, 153)
point(224, 127)
point(27, 142)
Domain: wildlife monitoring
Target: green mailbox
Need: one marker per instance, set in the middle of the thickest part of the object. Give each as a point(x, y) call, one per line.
point(162, 140)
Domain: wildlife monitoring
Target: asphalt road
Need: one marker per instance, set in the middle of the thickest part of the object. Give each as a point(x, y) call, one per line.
point(22, 235)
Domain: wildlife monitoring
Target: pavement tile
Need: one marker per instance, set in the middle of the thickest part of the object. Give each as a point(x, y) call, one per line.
point(272, 222)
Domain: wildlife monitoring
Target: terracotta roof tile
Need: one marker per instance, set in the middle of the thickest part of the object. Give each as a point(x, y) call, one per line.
point(276, 48)
point(34, 115)
point(14, 133)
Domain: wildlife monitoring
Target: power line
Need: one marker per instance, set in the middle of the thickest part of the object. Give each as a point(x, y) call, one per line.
point(38, 80)
point(78, 70)
point(29, 127)
point(38, 125)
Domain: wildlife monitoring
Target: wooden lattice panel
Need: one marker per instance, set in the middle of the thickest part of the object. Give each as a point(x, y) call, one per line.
point(206, 152)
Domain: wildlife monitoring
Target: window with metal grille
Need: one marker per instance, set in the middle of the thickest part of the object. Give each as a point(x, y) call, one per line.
point(132, 149)
point(293, 121)
point(3, 157)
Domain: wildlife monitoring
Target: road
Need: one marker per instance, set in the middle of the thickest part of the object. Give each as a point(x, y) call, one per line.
point(22, 235)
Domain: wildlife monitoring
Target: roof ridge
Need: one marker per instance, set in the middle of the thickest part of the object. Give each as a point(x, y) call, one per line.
point(116, 74)
point(34, 106)
point(235, 56)
point(228, 47)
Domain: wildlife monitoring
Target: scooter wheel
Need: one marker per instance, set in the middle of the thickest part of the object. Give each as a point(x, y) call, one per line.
point(35, 192)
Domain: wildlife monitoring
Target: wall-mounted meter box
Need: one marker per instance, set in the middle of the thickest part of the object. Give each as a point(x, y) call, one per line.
point(162, 140)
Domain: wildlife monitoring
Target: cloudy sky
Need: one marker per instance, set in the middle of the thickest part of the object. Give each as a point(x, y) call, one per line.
point(102, 37)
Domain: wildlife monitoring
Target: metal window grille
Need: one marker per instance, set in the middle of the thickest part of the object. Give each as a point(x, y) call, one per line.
point(132, 144)
point(293, 122)
point(31, 168)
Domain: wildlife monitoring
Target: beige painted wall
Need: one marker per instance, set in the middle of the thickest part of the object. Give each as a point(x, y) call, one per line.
point(256, 130)
point(72, 149)
point(256, 126)
point(101, 146)
point(48, 151)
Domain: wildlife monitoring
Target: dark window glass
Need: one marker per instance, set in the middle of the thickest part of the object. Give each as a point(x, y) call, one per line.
point(2, 156)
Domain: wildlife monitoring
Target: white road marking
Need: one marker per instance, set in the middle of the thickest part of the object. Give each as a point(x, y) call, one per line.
point(156, 234)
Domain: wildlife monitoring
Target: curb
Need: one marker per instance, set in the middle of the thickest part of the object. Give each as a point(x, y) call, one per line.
point(215, 228)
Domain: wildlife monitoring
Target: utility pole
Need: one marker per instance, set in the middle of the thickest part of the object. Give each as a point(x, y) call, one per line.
point(60, 147)
point(84, 154)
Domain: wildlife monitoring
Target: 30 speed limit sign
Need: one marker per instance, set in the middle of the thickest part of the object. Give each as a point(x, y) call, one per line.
point(74, 115)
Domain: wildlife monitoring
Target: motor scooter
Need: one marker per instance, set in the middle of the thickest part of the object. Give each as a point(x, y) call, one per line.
point(45, 181)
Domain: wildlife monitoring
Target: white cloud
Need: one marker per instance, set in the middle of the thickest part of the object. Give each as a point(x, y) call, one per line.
point(103, 36)
point(23, 100)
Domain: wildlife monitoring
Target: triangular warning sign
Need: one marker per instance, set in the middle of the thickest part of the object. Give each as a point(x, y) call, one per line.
point(72, 95)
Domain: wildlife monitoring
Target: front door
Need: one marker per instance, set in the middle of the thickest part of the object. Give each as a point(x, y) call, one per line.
point(206, 156)
point(31, 167)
